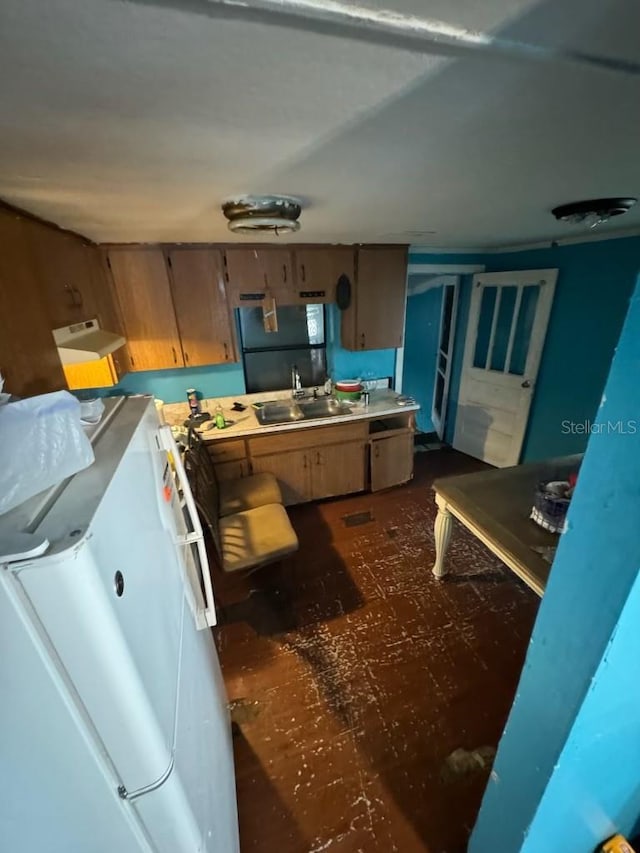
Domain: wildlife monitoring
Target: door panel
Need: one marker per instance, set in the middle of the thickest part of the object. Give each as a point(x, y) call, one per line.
point(318, 270)
point(391, 460)
point(195, 809)
point(202, 314)
point(381, 292)
point(29, 359)
point(142, 286)
point(258, 272)
point(507, 326)
point(292, 469)
point(339, 469)
point(131, 633)
point(63, 265)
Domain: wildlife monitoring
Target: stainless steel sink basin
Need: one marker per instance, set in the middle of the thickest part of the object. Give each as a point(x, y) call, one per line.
point(280, 412)
point(290, 411)
point(323, 407)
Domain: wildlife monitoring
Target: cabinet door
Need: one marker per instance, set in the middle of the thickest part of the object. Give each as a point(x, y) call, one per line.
point(142, 286)
point(63, 266)
point(204, 321)
point(375, 320)
point(29, 360)
point(293, 472)
point(258, 272)
point(318, 271)
point(391, 460)
point(338, 469)
point(109, 315)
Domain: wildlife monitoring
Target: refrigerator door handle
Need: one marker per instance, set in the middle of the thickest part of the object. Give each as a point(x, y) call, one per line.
point(204, 609)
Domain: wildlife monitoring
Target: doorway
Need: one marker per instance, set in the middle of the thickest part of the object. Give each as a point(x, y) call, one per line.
point(432, 301)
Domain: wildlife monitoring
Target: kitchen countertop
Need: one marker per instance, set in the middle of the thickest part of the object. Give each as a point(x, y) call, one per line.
point(382, 403)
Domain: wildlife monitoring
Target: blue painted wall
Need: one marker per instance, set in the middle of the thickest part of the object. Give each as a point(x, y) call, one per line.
point(420, 351)
point(217, 380)
point(594, 792)
point(344, 364)
point(595, 281)
point(571, 714)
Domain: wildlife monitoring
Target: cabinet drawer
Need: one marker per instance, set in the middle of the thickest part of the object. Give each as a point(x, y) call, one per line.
point(302, 439)
point(226, 451)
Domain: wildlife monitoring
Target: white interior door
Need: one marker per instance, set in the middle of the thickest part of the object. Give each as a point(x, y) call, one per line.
point(444, 357)
point(508, 320)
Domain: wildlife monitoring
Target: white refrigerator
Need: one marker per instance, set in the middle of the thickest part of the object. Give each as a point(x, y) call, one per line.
point(114, 727)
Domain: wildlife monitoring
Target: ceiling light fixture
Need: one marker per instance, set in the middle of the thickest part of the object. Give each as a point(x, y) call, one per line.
point(270, 214)
point(593, 212)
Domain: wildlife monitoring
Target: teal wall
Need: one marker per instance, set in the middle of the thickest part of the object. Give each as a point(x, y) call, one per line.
point(595, 281)
point(420, 350)
point(365, 364)
point(566, 772)
point(217, 380)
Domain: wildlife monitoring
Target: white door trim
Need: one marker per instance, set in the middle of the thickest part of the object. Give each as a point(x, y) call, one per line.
point(440, 423)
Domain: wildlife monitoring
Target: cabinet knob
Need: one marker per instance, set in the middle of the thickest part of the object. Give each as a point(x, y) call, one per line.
point(318, 459)
point(362, 341)
point(175, 355)
point(186, 357)
point(284, 273)
point(303, 272)
point(226, 351)
point(304, 461)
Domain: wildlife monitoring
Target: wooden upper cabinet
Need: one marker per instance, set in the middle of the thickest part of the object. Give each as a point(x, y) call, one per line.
point(141, 282)
point(375, 318)
point(252, 273)
point(29, 360)
point(203, 315)
point(318, 271)
point(63, 266)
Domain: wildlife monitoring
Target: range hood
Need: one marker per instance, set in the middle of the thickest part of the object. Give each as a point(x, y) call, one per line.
point(85, 342)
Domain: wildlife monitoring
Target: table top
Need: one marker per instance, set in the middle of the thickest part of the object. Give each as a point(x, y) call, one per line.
point(497, 504)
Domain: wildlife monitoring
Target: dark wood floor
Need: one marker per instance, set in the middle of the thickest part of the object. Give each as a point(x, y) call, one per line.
point(369, 696)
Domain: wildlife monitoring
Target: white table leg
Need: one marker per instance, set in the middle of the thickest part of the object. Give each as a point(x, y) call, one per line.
point(442, 533)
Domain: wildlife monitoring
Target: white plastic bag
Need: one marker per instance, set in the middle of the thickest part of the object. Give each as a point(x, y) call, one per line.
point(41, 444)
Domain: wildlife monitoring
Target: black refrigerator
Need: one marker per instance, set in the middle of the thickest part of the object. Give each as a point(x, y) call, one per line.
point(299, 342)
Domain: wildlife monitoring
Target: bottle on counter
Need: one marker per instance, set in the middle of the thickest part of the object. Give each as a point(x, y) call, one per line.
point(219, 417)
point(194, 403)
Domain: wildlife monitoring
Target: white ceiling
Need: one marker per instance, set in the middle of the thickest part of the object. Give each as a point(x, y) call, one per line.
point(131, 120)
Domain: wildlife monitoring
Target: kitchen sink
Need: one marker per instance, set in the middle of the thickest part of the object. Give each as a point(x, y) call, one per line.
point(323, 407)
point(285, 411)
point(279, 412)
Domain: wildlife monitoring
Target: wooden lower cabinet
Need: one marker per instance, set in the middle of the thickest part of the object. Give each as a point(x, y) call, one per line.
point(320, 462)
point(391, 460)
point(338, 469)
point(293, 472)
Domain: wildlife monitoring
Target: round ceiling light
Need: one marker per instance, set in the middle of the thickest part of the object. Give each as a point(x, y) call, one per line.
point(593, 212)
point(272, 214)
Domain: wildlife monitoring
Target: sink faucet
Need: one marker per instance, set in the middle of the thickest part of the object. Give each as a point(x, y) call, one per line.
point(296, 383)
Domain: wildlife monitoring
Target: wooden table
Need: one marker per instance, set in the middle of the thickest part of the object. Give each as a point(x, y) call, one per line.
point(495, 506)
